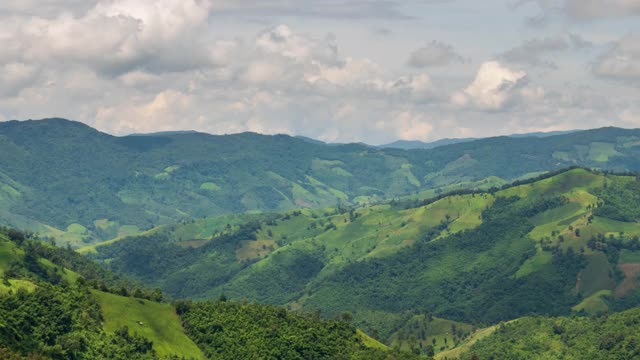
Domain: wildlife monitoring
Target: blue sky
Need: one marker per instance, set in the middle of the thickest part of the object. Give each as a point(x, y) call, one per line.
point(337, 70)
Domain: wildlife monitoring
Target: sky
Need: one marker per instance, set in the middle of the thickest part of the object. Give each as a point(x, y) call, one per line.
point(335, 70)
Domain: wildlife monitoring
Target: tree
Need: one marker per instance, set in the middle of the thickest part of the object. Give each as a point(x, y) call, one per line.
point(429, 350)
point(346, 316)
point(157, 295)
point(5, 280)
point(138, 294)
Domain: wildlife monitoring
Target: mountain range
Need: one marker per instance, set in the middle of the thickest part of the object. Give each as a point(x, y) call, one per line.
point(190, 245)
point(77, 185)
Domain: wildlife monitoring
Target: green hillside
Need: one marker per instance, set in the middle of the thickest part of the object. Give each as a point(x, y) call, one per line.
point(614, 336)
point(154, 321)
point(233, 330)
point(72, 183)
point(546, 246)
point(48, 311)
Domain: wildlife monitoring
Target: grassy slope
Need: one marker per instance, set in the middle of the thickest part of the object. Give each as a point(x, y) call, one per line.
point(431, 332)
point(576, 186)
point(8, 253)
point(378, 231)
point(370, 342)
point(112, 305)
point(196, 231)
point(467, 344)
point(155, 321)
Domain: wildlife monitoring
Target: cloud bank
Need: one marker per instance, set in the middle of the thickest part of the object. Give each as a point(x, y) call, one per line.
point(139, 66)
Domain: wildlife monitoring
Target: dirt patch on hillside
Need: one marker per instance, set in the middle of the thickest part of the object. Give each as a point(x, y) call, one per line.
point(408, 242)
point(304, 203)
point(630, 282)
point(255, 249)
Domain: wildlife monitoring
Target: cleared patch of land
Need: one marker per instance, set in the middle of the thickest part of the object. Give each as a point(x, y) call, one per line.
point(155, 321)
point(630, 282)
point(255, 249)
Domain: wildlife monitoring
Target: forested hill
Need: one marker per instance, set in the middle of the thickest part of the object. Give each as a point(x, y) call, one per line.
point(612, 336)
point(560, 244)
point(68, 181)
point(55, 304)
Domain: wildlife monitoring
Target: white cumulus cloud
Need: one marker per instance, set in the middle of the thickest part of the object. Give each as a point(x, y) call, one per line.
point(495, 87)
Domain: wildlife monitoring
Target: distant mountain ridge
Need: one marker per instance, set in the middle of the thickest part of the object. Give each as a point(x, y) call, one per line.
point(417, 144)
point(165, 133)
point(71, 182)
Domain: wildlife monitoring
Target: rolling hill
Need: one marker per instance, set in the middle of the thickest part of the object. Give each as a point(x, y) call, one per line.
point(55, 304)
point(613, 336)
point(563, 243)
point(76, 185)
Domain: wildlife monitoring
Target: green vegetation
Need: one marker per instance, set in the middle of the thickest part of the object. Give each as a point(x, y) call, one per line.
point(231, 330)
point(619, 199)
point(471, 259)
point(154, 321)
point(425, 251)
point(62, 323)
point(614, 336)
point(431, 334)
point(467, 276)
point(594, 304)
point(464, 347)
point(71, 183)
point(50, 312)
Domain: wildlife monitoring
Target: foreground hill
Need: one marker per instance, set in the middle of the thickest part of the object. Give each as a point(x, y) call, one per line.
point(614, 336)
point(55, 304)
point(70, 182)
point(560, 244)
